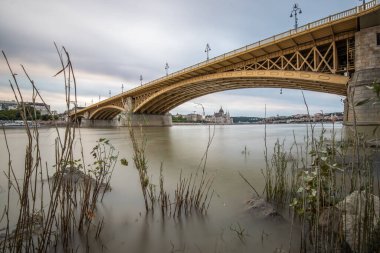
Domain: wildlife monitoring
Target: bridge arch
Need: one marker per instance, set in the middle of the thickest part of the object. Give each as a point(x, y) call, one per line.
point(106, 112)
point(168, 98)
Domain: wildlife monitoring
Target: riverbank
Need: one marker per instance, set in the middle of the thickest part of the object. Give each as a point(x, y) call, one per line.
point(38, 123)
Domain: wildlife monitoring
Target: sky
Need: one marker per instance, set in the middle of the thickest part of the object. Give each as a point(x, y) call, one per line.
point(112, 42)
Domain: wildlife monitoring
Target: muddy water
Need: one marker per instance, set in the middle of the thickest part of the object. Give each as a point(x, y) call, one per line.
point(128, 228)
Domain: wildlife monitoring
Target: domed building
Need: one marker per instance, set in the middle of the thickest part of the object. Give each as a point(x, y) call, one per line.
point(221, 117)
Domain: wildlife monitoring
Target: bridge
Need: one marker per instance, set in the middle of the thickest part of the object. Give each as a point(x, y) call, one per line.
point(336, 54)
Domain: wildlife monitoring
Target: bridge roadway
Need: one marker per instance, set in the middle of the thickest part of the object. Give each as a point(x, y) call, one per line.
point(327, 55)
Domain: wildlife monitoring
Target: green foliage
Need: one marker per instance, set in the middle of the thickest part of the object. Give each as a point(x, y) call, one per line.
point(317, 185)
point(179, 119)
point(124, 162)
point(104, 159)
point(10, 115)
point(276, 176)
point(16, 114)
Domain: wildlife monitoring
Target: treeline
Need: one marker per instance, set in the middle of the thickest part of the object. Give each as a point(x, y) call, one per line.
point(179, 118)
point(15, 114)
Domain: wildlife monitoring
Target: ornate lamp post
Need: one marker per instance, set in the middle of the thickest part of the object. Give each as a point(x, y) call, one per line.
point(296, 10)
point(208, 49)
point(363, 4)
point(167, 69)
point(141, 79)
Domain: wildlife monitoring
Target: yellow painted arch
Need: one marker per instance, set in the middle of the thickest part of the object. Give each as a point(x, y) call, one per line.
point(172, 96)
point(106, 112)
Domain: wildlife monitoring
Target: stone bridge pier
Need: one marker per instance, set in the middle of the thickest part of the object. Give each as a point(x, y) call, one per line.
point(124, 116)
point(129, 119)
point(365, 117)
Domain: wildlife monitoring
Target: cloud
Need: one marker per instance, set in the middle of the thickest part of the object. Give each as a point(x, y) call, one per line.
point(114, 42)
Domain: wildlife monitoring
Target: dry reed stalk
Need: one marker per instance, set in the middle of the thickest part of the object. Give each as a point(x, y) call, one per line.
point(55, 221)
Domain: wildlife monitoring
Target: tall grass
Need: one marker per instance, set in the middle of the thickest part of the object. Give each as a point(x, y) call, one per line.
point(192, 192)
point(331, 188)
point(51, 208)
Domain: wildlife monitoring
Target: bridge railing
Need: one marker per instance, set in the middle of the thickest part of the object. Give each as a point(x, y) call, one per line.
point(303, 28)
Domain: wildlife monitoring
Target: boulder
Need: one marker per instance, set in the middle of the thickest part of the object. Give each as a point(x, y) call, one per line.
point(262, 209)
point(354, 220)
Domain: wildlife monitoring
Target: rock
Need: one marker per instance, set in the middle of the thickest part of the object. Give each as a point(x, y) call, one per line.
point(77, 176)
point(330, 229)
point(354, 215)
point(262, 209)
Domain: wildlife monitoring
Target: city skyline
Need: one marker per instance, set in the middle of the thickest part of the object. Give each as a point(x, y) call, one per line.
point(111, 45)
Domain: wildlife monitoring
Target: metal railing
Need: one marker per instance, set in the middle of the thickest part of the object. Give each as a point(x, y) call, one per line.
point(320, 22)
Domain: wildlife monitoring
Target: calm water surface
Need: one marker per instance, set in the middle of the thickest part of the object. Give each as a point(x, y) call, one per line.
point(180, 148)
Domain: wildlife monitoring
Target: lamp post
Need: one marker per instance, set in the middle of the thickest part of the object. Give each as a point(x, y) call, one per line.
point(296, 10)
point(167, 69)
point(122, 88)
point(208, 49)
point(141, 79)
point(109, 93)
point(363, 4)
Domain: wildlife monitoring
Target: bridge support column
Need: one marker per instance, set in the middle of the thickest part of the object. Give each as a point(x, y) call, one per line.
point(123, 120)
point(367, 72)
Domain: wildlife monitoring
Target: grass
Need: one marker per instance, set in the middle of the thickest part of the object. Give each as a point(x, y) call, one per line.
point(50, 210)
point(192, 192)
point(314, 180)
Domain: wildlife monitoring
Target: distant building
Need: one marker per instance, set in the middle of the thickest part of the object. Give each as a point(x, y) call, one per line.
point(220, 117)
point(12, 105)
point(193, 117)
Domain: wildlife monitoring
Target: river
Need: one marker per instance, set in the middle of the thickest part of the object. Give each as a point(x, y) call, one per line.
point(128, 228)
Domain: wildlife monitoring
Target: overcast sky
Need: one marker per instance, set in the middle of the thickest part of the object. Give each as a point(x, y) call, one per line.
point(113, 42)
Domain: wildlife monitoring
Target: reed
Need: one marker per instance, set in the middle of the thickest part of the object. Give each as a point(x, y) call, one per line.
point(331, 188)
point(52, 209)
point(191, 192)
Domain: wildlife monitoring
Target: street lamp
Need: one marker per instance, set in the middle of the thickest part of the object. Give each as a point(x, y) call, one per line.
point(296, 10)
point(109, 92)
point(208, 49)
point(363, 4)
point(167, 68)
point(122, 88)
point(141, 79)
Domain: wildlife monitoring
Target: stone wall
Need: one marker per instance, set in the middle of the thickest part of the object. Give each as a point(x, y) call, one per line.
point(367, 70)
point(367, 52)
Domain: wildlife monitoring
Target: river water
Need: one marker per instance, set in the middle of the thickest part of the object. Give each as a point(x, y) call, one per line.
point(128, 228)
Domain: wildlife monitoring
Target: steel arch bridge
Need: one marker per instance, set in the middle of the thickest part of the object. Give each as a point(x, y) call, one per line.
point(319, 56)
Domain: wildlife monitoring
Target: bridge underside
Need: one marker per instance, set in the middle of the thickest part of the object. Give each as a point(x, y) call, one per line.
point(106, 112)
point(167, 99)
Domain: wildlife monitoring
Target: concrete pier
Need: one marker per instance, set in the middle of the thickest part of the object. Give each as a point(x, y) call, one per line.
point(367, 72)
point(124, 120)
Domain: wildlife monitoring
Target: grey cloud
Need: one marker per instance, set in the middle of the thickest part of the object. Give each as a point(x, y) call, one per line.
point(123, 39)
